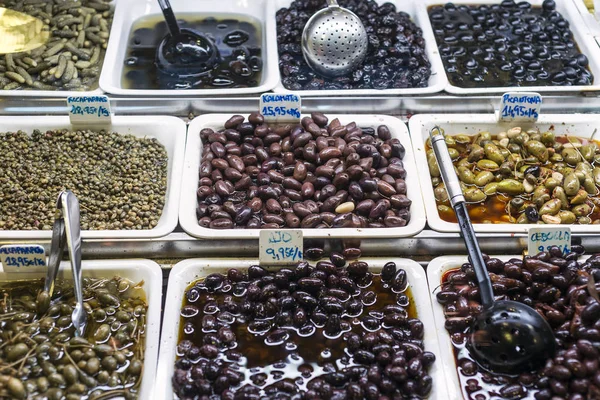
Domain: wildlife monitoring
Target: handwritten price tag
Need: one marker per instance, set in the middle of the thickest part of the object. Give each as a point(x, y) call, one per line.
point(280, 107)
point(541, 238)
point(520, 106)
point(89, 110)
point(280, 247)
point(23, 258)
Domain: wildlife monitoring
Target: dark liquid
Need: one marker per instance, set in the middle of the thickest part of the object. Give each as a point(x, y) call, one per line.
point(495, 46)
point(495, 208)
point(291, 360)
point(140, 71)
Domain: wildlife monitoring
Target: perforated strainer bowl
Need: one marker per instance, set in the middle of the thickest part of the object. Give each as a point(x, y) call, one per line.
point(334, 41)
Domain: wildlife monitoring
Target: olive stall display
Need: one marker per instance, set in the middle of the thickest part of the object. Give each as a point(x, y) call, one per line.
point(238, 39)
point(331, 330)
point(72, 58)
point(396, 56)
point(523, 176)
point(42, 358)
point(120, 180)
point(508, 44)
point(315, 174)
point(561, 288)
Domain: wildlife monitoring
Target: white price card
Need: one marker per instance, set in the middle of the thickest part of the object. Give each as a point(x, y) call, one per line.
point(281, 107)
point(89, 110)
point(280, 246)
point(540, 238)
point(520, 106)
point(23, 258)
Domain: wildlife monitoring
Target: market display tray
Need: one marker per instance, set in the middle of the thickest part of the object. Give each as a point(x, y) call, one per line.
point(188, 271)
point(170, 131)
point(127, 12)
point(187, 209)
point(437, 82)
point(582, 125)
point(136, 270)
point(581, 34)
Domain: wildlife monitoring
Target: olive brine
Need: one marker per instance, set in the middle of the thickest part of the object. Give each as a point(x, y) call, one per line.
point(326, 331)
point(238, 39)
point(316, 174)
point(42, 359)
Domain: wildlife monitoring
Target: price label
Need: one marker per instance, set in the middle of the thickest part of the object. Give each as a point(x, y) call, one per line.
point(280, 107)
point(23, 258)
point(540, 238)
point(89, 110)
point(280, 247)
point(520, 106)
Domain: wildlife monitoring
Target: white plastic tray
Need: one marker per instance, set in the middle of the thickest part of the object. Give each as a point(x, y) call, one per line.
point(129, 11)
point(582, 125)
point(435, 271)
point(187, 209)
point(60, 93)
point(188, 271)
point(136, 271)
point(583, 38)
point(437, 82)
point(170, 131)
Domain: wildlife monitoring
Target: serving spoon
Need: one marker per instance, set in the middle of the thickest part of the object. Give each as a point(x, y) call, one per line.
point(184, 53)
point(507, 336)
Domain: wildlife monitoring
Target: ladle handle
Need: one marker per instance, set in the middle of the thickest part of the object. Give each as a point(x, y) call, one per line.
point(438, 143)
point(332, 3)
point(170, 19)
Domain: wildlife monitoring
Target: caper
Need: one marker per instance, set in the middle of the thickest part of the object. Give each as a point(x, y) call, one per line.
point(135, 367)
point(70, 373)
point(92, 366)
point(102, 333)
point(56, 379)
point(17, 351)
point(109, 363)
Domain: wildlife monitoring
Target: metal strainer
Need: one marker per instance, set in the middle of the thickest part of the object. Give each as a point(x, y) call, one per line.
point(334, 41)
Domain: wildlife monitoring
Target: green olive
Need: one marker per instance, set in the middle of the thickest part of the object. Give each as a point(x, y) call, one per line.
point(566, 217)
point(582, 210)
point(579, 198)
point(571, 184)
point(474, 195)
point(510, 186)
point(550, 207)
point(571, 156)
point(538, 150)
point(488, 165)
point(483, 178)
point(466, 175)
point(559, 193)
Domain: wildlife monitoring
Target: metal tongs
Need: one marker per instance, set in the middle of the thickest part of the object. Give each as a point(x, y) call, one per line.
point(67, 232)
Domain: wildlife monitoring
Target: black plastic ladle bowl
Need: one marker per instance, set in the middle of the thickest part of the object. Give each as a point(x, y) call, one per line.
point(183, 52)
point(507, 336)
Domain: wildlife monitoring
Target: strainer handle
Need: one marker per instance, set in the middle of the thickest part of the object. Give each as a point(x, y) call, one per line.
point(332, 3)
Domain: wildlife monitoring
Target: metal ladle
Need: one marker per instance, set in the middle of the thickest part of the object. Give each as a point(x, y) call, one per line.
point(507, 336)
point(334, 41)
point(184, 53)
point(66, 232)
